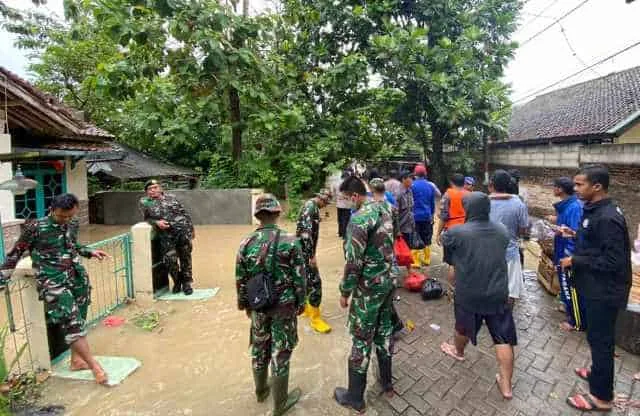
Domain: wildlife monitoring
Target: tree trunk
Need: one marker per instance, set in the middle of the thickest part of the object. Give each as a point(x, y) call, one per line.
point(236, 128)
point(438, 167)
point(485, 148)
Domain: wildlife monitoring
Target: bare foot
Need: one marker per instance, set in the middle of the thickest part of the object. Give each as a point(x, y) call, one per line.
point(78, 364)
point(504, 387)
point(636, 377)
point(99, 374)
point(566, 327)
point(450, 350)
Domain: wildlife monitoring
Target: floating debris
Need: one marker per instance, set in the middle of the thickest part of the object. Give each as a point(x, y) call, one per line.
point(147, 320)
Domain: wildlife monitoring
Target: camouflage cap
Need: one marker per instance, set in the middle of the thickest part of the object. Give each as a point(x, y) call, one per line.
point(325, 195)
point(150, 182)
point(267, 202)
point(377, 184)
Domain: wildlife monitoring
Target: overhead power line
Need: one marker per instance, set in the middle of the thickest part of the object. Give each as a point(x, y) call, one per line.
point(541, 13)
point(555, 22)
point(579, 72)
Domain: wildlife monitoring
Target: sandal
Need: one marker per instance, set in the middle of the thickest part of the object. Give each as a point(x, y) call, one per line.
point(583, 373)
point(585, 403)
point(567, 327)
point(450, 350)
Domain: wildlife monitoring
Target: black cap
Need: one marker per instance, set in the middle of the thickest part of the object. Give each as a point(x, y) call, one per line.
point(564, 183)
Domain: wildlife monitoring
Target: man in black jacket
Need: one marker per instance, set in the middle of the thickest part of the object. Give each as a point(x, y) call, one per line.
point(602, 269)
point(477, 251)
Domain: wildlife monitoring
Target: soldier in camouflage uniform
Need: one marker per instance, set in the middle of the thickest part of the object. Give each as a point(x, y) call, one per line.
point(274, 332)
point(308, 231)
point(62, 281)
point(367, 281)
point(175, 231)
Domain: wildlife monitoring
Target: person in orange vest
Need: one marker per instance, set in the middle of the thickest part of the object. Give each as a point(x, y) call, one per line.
point(451, 210)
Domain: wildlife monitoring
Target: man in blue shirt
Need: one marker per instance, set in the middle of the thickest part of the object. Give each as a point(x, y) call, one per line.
point(569, 214)
point(424, 204)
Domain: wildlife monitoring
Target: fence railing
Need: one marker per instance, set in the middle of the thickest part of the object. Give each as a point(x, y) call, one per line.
point(111, 279)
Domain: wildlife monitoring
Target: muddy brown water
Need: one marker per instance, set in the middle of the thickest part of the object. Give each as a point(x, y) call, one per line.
point(198, 362)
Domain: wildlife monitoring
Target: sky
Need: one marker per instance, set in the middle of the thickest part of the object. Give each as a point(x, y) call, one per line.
point(595, 30)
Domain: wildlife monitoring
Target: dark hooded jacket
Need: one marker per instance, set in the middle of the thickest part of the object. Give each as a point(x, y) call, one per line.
point(477, 250)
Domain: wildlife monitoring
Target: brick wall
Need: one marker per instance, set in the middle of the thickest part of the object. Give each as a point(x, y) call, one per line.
point(624, 188)
point(11, 231)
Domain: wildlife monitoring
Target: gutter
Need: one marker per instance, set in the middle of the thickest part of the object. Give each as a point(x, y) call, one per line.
point(625, 124)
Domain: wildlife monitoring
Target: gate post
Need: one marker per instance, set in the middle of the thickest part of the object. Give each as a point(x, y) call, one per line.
point(34, 317)
point(141, 256)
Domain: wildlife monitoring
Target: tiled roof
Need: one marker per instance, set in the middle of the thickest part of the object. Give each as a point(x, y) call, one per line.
point(590, 108)
point(35, 110)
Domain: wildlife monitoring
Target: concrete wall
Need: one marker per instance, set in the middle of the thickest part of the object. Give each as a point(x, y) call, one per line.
point(77, 184)
point(206, 206)
point(7, 206)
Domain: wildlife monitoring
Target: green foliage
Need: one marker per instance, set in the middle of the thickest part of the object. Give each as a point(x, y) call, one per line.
point(278, 101)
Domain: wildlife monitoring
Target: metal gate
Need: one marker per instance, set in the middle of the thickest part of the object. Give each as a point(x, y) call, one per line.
point(111, 279)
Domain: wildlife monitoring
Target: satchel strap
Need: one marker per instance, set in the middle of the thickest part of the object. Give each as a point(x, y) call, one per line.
point(274, 251)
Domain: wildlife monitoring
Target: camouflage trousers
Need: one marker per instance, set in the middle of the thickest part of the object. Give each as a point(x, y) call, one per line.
point(314, 285)
point(177, 246)
point(370, 323)
point(67, 295)
point(274, 335)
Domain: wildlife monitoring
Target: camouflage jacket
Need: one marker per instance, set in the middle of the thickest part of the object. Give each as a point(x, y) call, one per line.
point(167, 208)
point(54, 248)
point(255, 255)
point(308, 228)
point(369, 251)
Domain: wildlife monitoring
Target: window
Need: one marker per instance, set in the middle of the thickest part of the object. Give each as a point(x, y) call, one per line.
point(35, 203)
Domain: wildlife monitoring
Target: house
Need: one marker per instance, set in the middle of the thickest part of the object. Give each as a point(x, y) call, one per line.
point(125, 165)
point(596, 121)
point(49, 142)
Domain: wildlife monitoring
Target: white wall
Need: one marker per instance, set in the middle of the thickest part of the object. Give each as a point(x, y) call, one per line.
point(77, 179)
point(7, 206)
point(567, 156)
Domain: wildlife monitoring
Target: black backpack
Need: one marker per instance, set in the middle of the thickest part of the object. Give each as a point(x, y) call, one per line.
point(261, 292)
point(432, 289)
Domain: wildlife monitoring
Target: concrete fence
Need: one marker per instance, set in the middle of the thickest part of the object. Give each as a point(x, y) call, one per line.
point(567, 155)
point(206, 206)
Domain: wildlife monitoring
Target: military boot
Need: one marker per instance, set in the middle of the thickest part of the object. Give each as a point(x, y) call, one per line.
point(282, 399)
point(384, 366)
point(177, 284)
point(262, 388)
point(352, 397)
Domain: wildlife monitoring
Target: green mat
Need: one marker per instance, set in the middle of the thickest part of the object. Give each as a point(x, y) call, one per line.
point(198, 294)
point(117, 369)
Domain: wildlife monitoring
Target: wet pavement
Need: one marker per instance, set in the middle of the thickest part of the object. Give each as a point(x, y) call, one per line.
point(198, 363)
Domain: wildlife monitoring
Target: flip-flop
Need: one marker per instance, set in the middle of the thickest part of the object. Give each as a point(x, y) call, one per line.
point(504, 396)
point(583, 373)
point(450, 350)
point(586, 401)
point(566, 327)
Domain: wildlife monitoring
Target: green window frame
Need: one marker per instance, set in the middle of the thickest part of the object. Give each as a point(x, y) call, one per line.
point(35, 202)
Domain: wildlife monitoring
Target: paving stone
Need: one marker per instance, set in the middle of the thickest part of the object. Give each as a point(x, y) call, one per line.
point(542, 389)
point(411, 412)
point(403, 384)
point(397, 403)
point(416, 401)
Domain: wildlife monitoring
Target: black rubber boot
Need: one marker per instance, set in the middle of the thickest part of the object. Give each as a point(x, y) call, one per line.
point(186, 288)
point(384, 366)
point(262, 388)
point(282, 399)
point(352, 397)
point(177, 286)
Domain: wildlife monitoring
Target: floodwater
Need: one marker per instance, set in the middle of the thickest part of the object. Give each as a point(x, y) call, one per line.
point(198, 362)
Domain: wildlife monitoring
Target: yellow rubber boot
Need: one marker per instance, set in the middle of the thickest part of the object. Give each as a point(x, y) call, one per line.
point(317, 323)
point(307, 310)
point(426, 259)
point(415, 255)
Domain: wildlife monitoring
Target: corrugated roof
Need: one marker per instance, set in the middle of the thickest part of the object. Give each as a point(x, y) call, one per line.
point(590, 108)
point(37, 111)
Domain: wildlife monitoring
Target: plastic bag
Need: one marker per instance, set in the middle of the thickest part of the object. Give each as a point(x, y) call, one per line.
point(403, 252)
point(432, 289)
point(414, 281)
